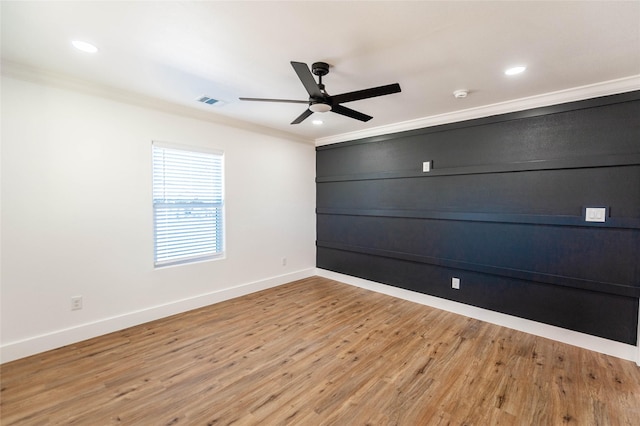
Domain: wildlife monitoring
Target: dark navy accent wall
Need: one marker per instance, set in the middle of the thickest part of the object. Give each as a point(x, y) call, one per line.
point(502, 209)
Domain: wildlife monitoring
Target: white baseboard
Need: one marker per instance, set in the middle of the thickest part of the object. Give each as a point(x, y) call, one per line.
point(37, 344)
point(582, 340)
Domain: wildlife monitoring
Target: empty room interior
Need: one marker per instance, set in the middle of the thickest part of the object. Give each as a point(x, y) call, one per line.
point(320, 213)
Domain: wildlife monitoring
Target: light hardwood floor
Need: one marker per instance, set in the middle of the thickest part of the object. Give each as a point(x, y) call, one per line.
point(318, 352)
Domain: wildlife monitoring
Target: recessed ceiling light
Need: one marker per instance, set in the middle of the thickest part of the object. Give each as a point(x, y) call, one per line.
point(84, 46)
point(515, 70)
point(317, 122)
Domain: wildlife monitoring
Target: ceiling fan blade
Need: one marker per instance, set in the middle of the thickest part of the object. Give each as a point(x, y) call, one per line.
point(289, 101)
point(366, 93)
point(342, 110)
point(305, 76)
point(302, 116)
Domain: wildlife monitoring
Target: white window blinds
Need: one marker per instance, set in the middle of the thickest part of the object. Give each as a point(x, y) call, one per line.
point(188, 202)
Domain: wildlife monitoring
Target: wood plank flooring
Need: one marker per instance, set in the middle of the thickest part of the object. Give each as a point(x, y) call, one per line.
point(318, 352)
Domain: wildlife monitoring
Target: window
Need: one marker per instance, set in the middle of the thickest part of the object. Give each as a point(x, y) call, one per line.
point(188, 204)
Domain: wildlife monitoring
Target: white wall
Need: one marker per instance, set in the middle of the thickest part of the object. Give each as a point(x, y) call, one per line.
point(77, 218)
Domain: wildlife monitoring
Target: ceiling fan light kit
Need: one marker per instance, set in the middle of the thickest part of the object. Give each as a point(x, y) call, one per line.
point(321, 101)
point(320, 107)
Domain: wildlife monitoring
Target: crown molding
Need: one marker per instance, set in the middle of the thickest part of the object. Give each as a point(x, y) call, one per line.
point(29, 73)
point(50, 78)
point(611, 87)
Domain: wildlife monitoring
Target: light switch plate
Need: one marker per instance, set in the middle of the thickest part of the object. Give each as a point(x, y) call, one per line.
point(595, 214)
point(455, 283)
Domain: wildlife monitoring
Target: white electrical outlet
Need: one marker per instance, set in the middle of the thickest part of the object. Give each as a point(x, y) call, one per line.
point(426, 166)
point(284, 261)
point(455, 283)
point(76, 303)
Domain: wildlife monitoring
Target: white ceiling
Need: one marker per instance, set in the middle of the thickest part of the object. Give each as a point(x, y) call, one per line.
point(177, 51)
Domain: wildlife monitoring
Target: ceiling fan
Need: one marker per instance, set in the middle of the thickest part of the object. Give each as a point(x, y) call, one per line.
point(321, 101)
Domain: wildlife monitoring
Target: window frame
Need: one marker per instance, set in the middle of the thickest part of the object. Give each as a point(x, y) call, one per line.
point(218, 185)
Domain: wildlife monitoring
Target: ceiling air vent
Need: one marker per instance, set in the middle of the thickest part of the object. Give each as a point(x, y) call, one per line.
point(207, 100)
